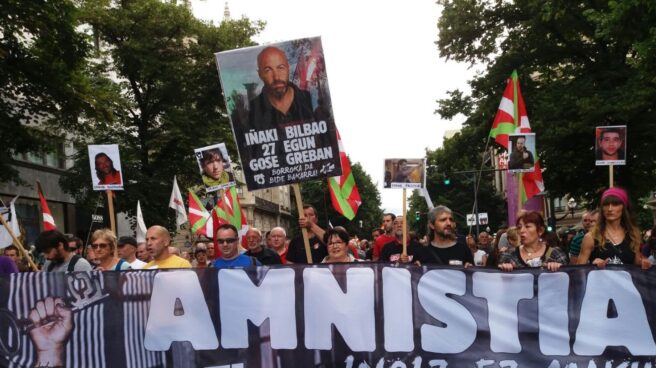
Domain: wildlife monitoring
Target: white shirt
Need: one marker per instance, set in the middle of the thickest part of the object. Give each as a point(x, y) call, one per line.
point(137, 264)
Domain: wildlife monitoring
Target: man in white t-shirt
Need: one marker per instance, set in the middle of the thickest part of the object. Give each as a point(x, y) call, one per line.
point(127, 250)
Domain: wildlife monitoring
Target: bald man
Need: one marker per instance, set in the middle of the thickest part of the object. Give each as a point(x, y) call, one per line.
point(280, 101)
point(158, 241)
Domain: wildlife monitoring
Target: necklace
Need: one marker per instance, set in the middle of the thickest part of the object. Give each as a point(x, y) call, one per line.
point(530, 253)
point(612, 239)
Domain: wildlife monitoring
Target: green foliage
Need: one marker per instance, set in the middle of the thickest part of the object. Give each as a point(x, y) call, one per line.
point(157, 71)
point(581, 64)
point(42, 79)
point(316, 194)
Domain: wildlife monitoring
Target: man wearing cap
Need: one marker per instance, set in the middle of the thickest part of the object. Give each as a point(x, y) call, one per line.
point(127, 250)
point(266, 256)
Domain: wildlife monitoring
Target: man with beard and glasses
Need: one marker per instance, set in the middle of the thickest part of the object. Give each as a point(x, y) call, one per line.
point(393, 251)
point(54, 246)
point(445, 246)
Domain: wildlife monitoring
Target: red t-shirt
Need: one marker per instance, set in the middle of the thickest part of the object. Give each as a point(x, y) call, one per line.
point(379, 243)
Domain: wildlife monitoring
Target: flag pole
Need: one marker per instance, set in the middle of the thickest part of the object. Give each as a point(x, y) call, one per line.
point(405, 223)
point(610, 176)
point(299, 207)
point(519, 193)
point(19, 244)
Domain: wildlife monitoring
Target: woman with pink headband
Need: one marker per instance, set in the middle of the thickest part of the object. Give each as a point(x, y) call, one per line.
point(615, 239)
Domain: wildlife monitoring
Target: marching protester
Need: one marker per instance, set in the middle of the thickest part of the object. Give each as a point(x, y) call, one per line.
point(266, 256)
point(296, 251)
point(445, 247)
point(75, 244)
point(54, 245)
point(650, 246)
point(127, 250)
point(337, 239)
point(21, 262)
point(227, 237)
point(7, 266)
point(200, 256)
point(588, 221)
point(533, 251)
point(158, 241)
point(385, 237)
point(615, 239)
point(142, 252)
point(277, 243)
point(103, 242)
point(393, 251)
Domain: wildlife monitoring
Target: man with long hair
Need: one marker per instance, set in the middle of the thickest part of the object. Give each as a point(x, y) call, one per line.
point(105, 170)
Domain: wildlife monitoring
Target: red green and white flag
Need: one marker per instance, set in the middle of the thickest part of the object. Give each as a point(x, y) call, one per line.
point(511, 118)
point(48, 220)
point(229, 211)
point(344, 192)
point(200, 219)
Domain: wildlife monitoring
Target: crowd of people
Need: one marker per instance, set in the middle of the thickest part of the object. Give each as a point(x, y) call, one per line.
point(608, 236)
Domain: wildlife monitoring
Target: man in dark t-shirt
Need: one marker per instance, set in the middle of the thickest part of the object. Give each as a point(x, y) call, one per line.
point(445, 246)
point(393, 251)
point(266, 256)
point(318, 250)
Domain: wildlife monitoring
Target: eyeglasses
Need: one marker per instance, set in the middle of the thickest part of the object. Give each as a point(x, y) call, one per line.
point(99, 245)
point(226, 241)
point(336, 243)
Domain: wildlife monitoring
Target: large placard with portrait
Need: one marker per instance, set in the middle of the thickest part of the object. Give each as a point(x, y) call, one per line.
point(279, 105)
point(105, 164)
point(610, 145)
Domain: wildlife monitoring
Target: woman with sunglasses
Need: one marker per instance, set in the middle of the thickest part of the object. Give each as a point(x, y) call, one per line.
point(336, 239)
point(615, 239)
point(103, 243)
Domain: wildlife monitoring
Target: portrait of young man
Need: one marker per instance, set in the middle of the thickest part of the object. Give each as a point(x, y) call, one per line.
point(610, 145)
point(214, 165)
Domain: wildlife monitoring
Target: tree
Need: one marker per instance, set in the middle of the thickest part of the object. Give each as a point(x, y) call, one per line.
point(316, 194)
point(460, 153)
point(157, 64)
point(580, 66)
point(43, 83)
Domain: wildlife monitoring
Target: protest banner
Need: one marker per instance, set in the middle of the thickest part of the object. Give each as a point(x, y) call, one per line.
point(341, 315)
point(105, 164)
point(405, 173)
point(280, 109)
point(215, 167)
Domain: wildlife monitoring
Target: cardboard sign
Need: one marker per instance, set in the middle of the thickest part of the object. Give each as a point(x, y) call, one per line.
point(521, 152)
point(610, 145)
point(215, 167)
point(279, 104)
point(105, 164)
point(405, 173)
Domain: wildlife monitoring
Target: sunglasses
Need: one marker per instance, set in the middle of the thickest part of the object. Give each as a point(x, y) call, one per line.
point(99, 245)
point(226, 241)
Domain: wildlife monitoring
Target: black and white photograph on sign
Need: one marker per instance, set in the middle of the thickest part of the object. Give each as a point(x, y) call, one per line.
point(521, 152)
point(404, 173)
point(280, 108)
point(215, 167)
point(105, 164)
point(610, 145)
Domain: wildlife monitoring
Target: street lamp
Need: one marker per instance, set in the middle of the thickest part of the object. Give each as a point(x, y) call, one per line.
point(571, 205)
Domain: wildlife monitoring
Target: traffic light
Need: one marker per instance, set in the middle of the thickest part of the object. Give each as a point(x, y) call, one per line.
point(447, 181)
point(417, 215)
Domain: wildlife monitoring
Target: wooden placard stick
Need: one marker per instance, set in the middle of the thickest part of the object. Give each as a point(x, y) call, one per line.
point(112, 220)
point(299, 207)
point(405, 223)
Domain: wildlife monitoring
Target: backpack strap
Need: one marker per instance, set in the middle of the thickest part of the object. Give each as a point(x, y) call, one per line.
point(547, 254)
point(118, 265)
point(71, 264)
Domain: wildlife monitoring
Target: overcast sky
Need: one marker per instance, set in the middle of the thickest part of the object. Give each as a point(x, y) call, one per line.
point(383, 66)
